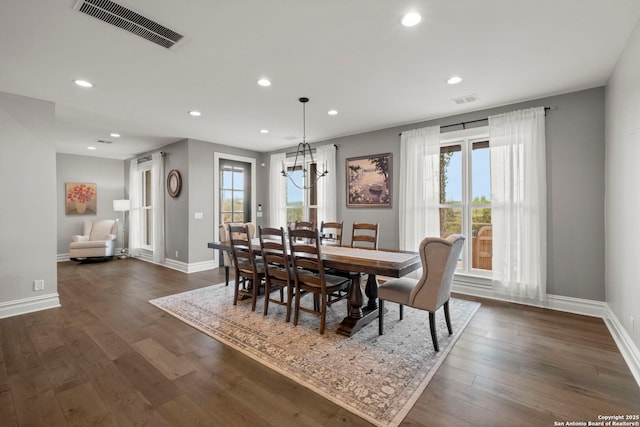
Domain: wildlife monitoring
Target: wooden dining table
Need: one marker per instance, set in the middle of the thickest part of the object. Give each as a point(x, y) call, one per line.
point(391, 263)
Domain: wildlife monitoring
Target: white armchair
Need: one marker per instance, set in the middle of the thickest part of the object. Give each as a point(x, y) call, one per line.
point(97, 240)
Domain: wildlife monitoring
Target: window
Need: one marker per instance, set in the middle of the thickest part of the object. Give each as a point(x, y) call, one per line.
point(302, 204)
point(235, 203)
point(146, 206)
point(465, 196)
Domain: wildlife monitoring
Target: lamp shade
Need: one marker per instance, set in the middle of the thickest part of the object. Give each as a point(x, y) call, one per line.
point(121, 205)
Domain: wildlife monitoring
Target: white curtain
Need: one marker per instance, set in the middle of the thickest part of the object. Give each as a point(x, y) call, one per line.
point(326, 160)
point(157, 212)
point(519, 203)
point(135, 214)
point(277, 191)
point(419, 204)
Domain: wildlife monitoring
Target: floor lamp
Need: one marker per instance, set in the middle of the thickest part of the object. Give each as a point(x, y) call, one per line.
point(122, 206)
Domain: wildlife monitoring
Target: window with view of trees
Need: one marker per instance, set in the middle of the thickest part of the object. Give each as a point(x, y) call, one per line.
point(301, 203)
point(465, 199)
point(235, 191)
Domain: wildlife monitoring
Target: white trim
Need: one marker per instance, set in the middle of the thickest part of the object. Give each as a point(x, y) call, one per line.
point(29, 305)
point(63, 257)
point(581, 306)
point(190, 268)
point(625, 344)
point(179, 265)
point(216, 190)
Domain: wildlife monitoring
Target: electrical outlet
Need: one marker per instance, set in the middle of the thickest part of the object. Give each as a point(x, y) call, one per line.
point(176, 254)
point(38, 285)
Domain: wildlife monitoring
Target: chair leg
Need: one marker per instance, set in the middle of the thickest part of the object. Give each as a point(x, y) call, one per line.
point(236, 292)
point(267, 288)
point(254, 293)
point(296, 309)
point(401, 311)
point(380, 316)
point(447, 317)
point(323, 313)
point(289, 296)
point(432, 327)
point(226, 275)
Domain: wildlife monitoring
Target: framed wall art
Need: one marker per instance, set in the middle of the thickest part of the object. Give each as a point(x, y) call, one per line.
point(81, 198)
point(369, 181)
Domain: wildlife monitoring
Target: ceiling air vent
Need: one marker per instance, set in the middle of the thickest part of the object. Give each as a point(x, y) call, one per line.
point(465, 99)
point(114, 14)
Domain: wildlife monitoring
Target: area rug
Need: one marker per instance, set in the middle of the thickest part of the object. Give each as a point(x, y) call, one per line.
point(378, 378)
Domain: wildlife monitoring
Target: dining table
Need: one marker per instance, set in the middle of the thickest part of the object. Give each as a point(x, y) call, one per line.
point(356, 261)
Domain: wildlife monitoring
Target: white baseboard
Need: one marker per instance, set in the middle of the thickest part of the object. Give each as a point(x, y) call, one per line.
point(624, 342)
point(29, 305)
point(586, 307)
point(184, 267)
point(554, 302)
point(63, 257)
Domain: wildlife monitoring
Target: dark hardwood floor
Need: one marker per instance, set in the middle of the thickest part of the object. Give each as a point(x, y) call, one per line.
point(108, 357)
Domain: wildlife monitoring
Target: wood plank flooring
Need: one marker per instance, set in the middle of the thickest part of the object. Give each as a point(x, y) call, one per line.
point(108, 357)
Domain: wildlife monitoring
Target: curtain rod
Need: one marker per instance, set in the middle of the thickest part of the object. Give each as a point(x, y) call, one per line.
point(464, 124)
point(148, 157)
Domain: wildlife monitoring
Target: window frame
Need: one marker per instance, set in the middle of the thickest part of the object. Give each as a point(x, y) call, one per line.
point(307, 194)
point(146, 229)
point(466, 138)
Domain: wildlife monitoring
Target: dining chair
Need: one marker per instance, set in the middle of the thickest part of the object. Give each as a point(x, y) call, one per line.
point(364, 236)
point(223, 236)
point(310, 276)
point(249, 272)
point(277, 269)
point(304, 225)
point(439, 260)
point(331, 233)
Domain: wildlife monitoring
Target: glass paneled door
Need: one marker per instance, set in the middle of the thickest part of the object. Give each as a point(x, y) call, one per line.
point(235, 191)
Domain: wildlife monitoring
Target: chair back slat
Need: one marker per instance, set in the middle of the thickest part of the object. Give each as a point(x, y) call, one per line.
point(331, 233)
point(364, 236)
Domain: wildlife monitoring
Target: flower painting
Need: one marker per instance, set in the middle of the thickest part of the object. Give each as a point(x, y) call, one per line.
point(369, 181)
point(80, 198)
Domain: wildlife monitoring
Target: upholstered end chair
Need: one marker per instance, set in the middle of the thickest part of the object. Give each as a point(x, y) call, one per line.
point(97, 240)
point(439, 260)
point(223, 234)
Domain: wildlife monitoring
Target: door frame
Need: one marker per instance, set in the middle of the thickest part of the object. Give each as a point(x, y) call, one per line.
point(217, 156)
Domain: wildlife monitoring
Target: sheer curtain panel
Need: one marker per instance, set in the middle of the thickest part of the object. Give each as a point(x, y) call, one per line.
point(419, 190)
point(277, 191)
point(326, 160)
point(519, 203)
point(135, 216)
point(157, 200)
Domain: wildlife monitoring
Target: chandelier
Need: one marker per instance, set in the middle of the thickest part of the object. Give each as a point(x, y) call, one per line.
point(309, 178)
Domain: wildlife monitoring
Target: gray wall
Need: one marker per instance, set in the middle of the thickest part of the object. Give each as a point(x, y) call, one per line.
point(622, 183)
point(575, 173)
point(195, 161)
point(28, 208)
point(107, 174)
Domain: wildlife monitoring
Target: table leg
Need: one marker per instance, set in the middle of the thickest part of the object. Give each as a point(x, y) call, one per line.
point(371, 290)
point(358, 316)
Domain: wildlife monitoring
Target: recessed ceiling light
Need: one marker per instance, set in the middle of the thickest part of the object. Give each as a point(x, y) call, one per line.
point(195, 113)
point(411, 19)
point(454, 80)
point(91, 148)
point(115, 135)
point(264, 82)
point(332, 112)
point(264, 130)
point(83, 83)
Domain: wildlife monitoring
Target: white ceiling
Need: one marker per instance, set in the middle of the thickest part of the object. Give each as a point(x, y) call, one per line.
point(353, 56)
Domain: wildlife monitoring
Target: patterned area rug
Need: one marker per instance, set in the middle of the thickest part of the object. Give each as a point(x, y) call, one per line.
point(378, 378)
